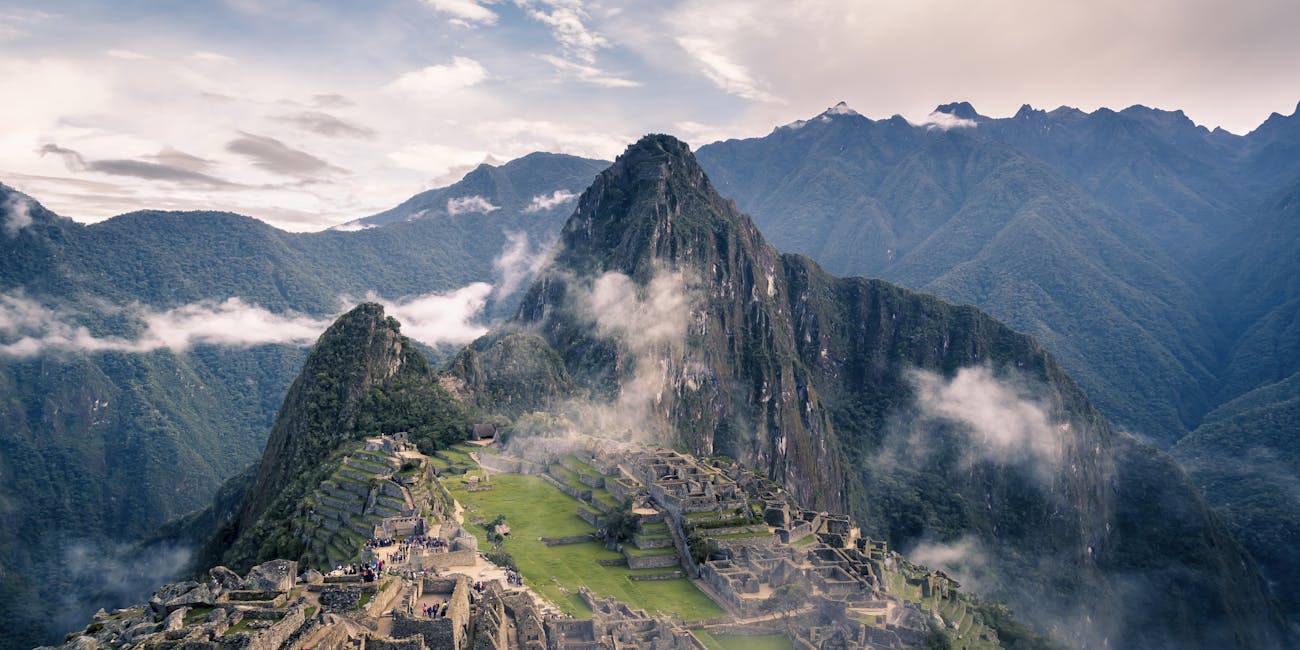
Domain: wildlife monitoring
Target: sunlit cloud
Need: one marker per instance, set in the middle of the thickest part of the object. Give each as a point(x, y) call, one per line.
point(432, 83)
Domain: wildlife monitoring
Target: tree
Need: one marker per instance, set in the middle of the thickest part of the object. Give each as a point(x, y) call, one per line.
point(621, 524)
point(786, 599)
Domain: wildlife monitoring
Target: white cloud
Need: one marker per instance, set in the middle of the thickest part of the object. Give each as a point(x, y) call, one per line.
point(641, 319)
point(517, 263)
point(432, 83)
point(15, 24)
point(566, 21)
point(35, 328)
point(471, 203)
point(649, 325)
point(465, 13)
point(128, 55)
point(965, 559)
point(445, 164)
point(29, 328)
point(211, 57)
point(945, 121)
point(727, 74)
point(519, 136)
point(352, 226)
point(16, 213)
point(588, 73)
point(546, 202)
point(442, 318)
point(1002, 423)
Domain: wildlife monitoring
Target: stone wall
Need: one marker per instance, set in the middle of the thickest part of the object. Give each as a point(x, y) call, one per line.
point(340, 598)
point(652, 561)
point(412, 643)
point(384, 598)
point(436, 632)
point(767, 541)
point(269, 638)
point(449, 631)
point(444, 560)
point(321, 636)
point(562, 541)
point(581, 495)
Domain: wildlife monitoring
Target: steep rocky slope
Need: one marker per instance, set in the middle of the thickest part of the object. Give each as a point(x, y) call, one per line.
point(362, 378)
point(933, 423)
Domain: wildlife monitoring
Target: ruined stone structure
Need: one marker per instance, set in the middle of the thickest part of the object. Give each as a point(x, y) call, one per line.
point(810, 575)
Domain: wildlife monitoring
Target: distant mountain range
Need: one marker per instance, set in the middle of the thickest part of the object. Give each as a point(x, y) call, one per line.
point(1156, 260)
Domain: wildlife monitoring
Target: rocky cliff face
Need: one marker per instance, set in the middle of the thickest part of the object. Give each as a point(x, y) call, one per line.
point(723, 378)
point(937, 425)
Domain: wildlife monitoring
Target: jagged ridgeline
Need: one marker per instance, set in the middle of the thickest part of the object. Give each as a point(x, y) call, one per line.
point(664, 313)
point(363, 377)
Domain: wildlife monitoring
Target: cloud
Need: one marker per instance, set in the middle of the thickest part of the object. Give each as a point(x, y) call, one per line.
point(648, 325)
point(128, 55)
point(444, 163)
point(211, 57)
point(566, 21)
point(433, 82)
point(29, 328)
point(326, 125)
point(546, 202)
point(154, 171)
point(331, 100)
point(589, 74)
point(16, 213)
point(517, 263)
point(15, 23)
point(110, 576)
point(1001, 422)
point(964, 559)
point(723, 71)
point(33, 328)
point(179, 159)
point(642, 320)
point(464, 13)
point(442, 318)
point(273, 155)
point(472, 203)
point(945, 121)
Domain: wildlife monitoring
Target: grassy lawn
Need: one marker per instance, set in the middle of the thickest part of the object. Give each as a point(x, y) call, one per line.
point(534, 509)
point(726, 642)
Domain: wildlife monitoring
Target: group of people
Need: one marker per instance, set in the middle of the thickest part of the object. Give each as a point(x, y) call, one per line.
point(436, 610)
point(368, 571)
point(513, 578)
point(417, 543)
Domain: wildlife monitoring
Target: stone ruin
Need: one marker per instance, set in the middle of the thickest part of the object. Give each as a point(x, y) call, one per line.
point(615, 625)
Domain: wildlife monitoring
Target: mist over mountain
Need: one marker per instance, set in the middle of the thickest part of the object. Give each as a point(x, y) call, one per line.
point(1154, 259)
point(158, 344)
point(937, 425)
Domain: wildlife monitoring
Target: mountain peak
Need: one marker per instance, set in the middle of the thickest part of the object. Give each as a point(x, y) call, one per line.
point(648, 204)
point(962, 110)
point(1026, 111)
point(840, 108)
point(362, 349)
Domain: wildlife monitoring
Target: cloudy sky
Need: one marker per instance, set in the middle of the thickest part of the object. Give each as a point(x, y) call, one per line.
point(308, 114)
